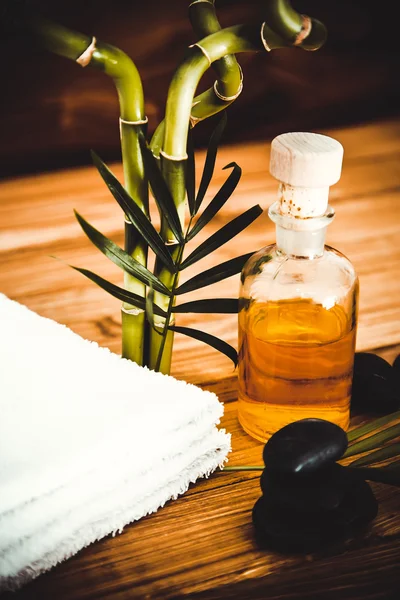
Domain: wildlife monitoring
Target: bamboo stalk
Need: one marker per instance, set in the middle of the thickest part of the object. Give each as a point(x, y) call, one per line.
point(179, 107)
point(224, 91)
point(300, 30)
point(171, 137)
point(229, 85)
point(115, 63)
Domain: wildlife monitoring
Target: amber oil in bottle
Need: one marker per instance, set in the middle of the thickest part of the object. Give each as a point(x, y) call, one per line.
point(297, 307)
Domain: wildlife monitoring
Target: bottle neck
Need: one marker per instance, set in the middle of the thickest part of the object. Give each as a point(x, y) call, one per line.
point(300, 244)
point(302, 238)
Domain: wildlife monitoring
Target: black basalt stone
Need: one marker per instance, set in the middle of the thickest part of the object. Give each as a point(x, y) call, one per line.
point(321, 491)
point(286, 531)
point(396, 371)
point(278, 530)
point(376, 385)
point(359, 505)
point(304, 447)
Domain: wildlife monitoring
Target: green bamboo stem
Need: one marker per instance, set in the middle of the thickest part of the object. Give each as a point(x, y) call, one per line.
point(283, 27)
point(299, 30)
point(232, 40)
point(115, 63)
point(228, 87)
point(158, 345)
point(160, 340)
point(186, 79)
point(179, 109)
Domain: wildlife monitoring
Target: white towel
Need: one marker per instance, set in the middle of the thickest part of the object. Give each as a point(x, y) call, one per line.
point(88, 442)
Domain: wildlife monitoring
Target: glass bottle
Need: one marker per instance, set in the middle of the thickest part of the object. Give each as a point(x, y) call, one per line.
point(298, 300)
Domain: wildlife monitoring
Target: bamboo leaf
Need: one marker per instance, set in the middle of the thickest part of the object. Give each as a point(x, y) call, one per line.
point(209, 164)
point(219, 199)
point(118, 292)
point(215, 274)
point(190, 175)
point(373, 441)
point(209, 339)
point(378, 474)
point(223, 235)
point(362, 430)
point(209, 305)
point(120, 257)
point(393, 465)
point(133, 212)
point(390, 451)
point(160, 190)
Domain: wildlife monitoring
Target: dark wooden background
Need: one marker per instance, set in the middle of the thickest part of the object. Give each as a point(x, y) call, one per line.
point(52, 111)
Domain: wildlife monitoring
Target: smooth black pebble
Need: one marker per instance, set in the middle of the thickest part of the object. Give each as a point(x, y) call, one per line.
point(376, 385)
point(396, 371)
point(304, 447)
point(359, 505)
point(321, 491)
point(286, 531)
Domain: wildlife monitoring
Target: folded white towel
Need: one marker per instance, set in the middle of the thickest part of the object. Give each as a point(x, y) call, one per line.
point(88, 442)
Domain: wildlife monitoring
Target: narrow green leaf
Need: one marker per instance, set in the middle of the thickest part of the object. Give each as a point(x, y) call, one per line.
point(160, 190)
point(118, 292)
point(120, 257)
point(209, 339)
point(223, 235)
point(362, 430)
point(211, 305)
point(378, 474)
point(215, 274)
point(390, 451)
point(373, 441)
point(133, 212)
point(210, 160)
point(393, 465)
point(190, 175)
point(219, 199)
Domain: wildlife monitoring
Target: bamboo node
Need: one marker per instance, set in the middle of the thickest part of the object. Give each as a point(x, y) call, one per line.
point(176, 158)
point(132, 311)
point(194, 120)
point(203, 51)
point(229, 98)
point(86, 56)
point(160, 324)
point(264, 41)
point(199, 1)
point(306, 26)
point(139, 122)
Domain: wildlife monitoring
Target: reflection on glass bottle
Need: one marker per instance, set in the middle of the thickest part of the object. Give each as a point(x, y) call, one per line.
point(298, 300)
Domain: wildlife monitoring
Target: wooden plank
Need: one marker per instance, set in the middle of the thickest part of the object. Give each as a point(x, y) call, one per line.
point(207, 535)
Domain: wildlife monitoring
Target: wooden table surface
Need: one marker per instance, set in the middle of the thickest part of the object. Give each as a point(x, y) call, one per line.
point(202, 545)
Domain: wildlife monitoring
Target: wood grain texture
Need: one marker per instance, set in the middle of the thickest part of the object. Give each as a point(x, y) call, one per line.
point(202, 545)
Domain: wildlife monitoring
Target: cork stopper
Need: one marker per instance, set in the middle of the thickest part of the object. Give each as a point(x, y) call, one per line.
point(306, 164)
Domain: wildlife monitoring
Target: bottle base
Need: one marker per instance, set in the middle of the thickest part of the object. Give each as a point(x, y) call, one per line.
point(262, 420)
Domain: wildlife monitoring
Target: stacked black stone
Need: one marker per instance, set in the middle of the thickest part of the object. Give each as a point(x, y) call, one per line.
point(309, 501)
point(376, 384)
